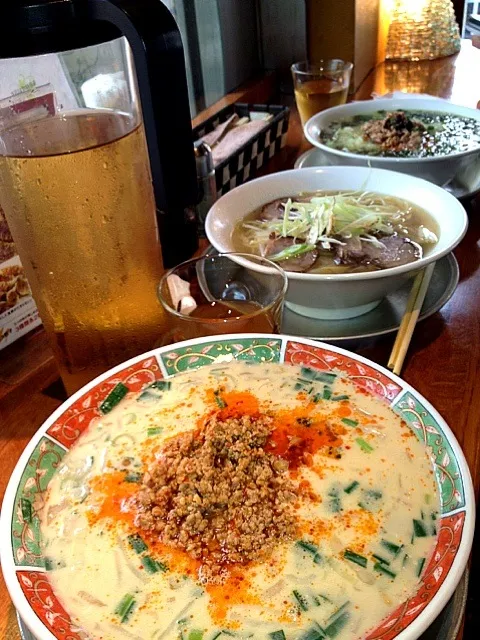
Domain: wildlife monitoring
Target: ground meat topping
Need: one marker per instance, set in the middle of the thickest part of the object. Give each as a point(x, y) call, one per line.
point(396, 132)
point(219, 495)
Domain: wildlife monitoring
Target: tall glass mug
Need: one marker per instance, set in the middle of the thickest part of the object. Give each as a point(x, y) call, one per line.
point(76, 188)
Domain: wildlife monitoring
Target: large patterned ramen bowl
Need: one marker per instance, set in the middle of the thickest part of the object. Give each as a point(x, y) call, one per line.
point(27, 570)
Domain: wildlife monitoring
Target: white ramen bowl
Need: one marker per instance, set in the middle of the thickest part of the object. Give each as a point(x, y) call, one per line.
point(463, 167)
point(23, 563)
point(340, 296)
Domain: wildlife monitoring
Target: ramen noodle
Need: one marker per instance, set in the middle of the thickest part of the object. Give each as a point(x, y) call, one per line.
point(240, 500)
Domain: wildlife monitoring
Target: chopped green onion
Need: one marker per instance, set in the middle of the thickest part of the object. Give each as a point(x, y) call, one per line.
point(393, 548)
point(373, 493)
point(152, 566)
point(148, 397)
point(307, 546)
point(134, 477)
point(355, 557)
point(195, 634)
point(381, 568)
point(405, 559)
point(300, 599)
point(314, 633)
point(317, 397)
point(324, 376)
point(351, 487)
point(380, 559)
point(27, 511)
point(161, 385)
point(277, 635)
point(339, 398)
point(154, 431)
point(220, 401)
point(350, 423)
point(113, 398)
point(310, 548)
point(337, 625)
point(335, 504)
point(48, 564)
point(292, 252)
point(364, 446)
point(420, 565)
point(419, 529)
point(338, 612)
point(137, 544)
point(308, 373)
point(124, 607)
point(327, 393)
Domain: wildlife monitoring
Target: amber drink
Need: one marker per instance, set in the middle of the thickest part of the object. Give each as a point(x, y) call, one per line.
point(225, 293)
point(320, 86)
point(76, 189)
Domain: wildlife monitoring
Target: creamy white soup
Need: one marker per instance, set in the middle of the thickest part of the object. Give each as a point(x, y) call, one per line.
point(240, 500)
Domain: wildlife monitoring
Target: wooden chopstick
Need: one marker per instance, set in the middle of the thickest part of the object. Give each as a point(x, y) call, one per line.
point(410, 317)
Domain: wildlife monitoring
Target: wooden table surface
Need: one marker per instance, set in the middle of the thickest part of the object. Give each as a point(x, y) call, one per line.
point(443, 362)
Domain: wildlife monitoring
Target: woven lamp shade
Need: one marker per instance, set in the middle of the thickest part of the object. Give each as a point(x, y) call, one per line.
point(422, 30)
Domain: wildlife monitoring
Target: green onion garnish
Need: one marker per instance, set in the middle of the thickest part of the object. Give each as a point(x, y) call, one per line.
point(277, 635)
point(154, 431)
point(334, 503)
point(393, 548)
point(195, 634)
point(137, 544)
point(351, 487)
point(364, 446)
point(380, 559)
point(350, 423)
point(307, 546)
point(419, 529)
point(420, 565)
point(113, 398)
point(124, 607)
point(338, 612)
point(220, 401)
point(308, 373)
point(327, 393)
point(337, 625)
point(152, 566)
point(292, 252)
point(161, 385)
point(314, 633)
point(355, 557)
point(134, 477)
point(339, 398)
point(310, 548)
point(300, 599)
point(381, 568)
point(323, 376)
